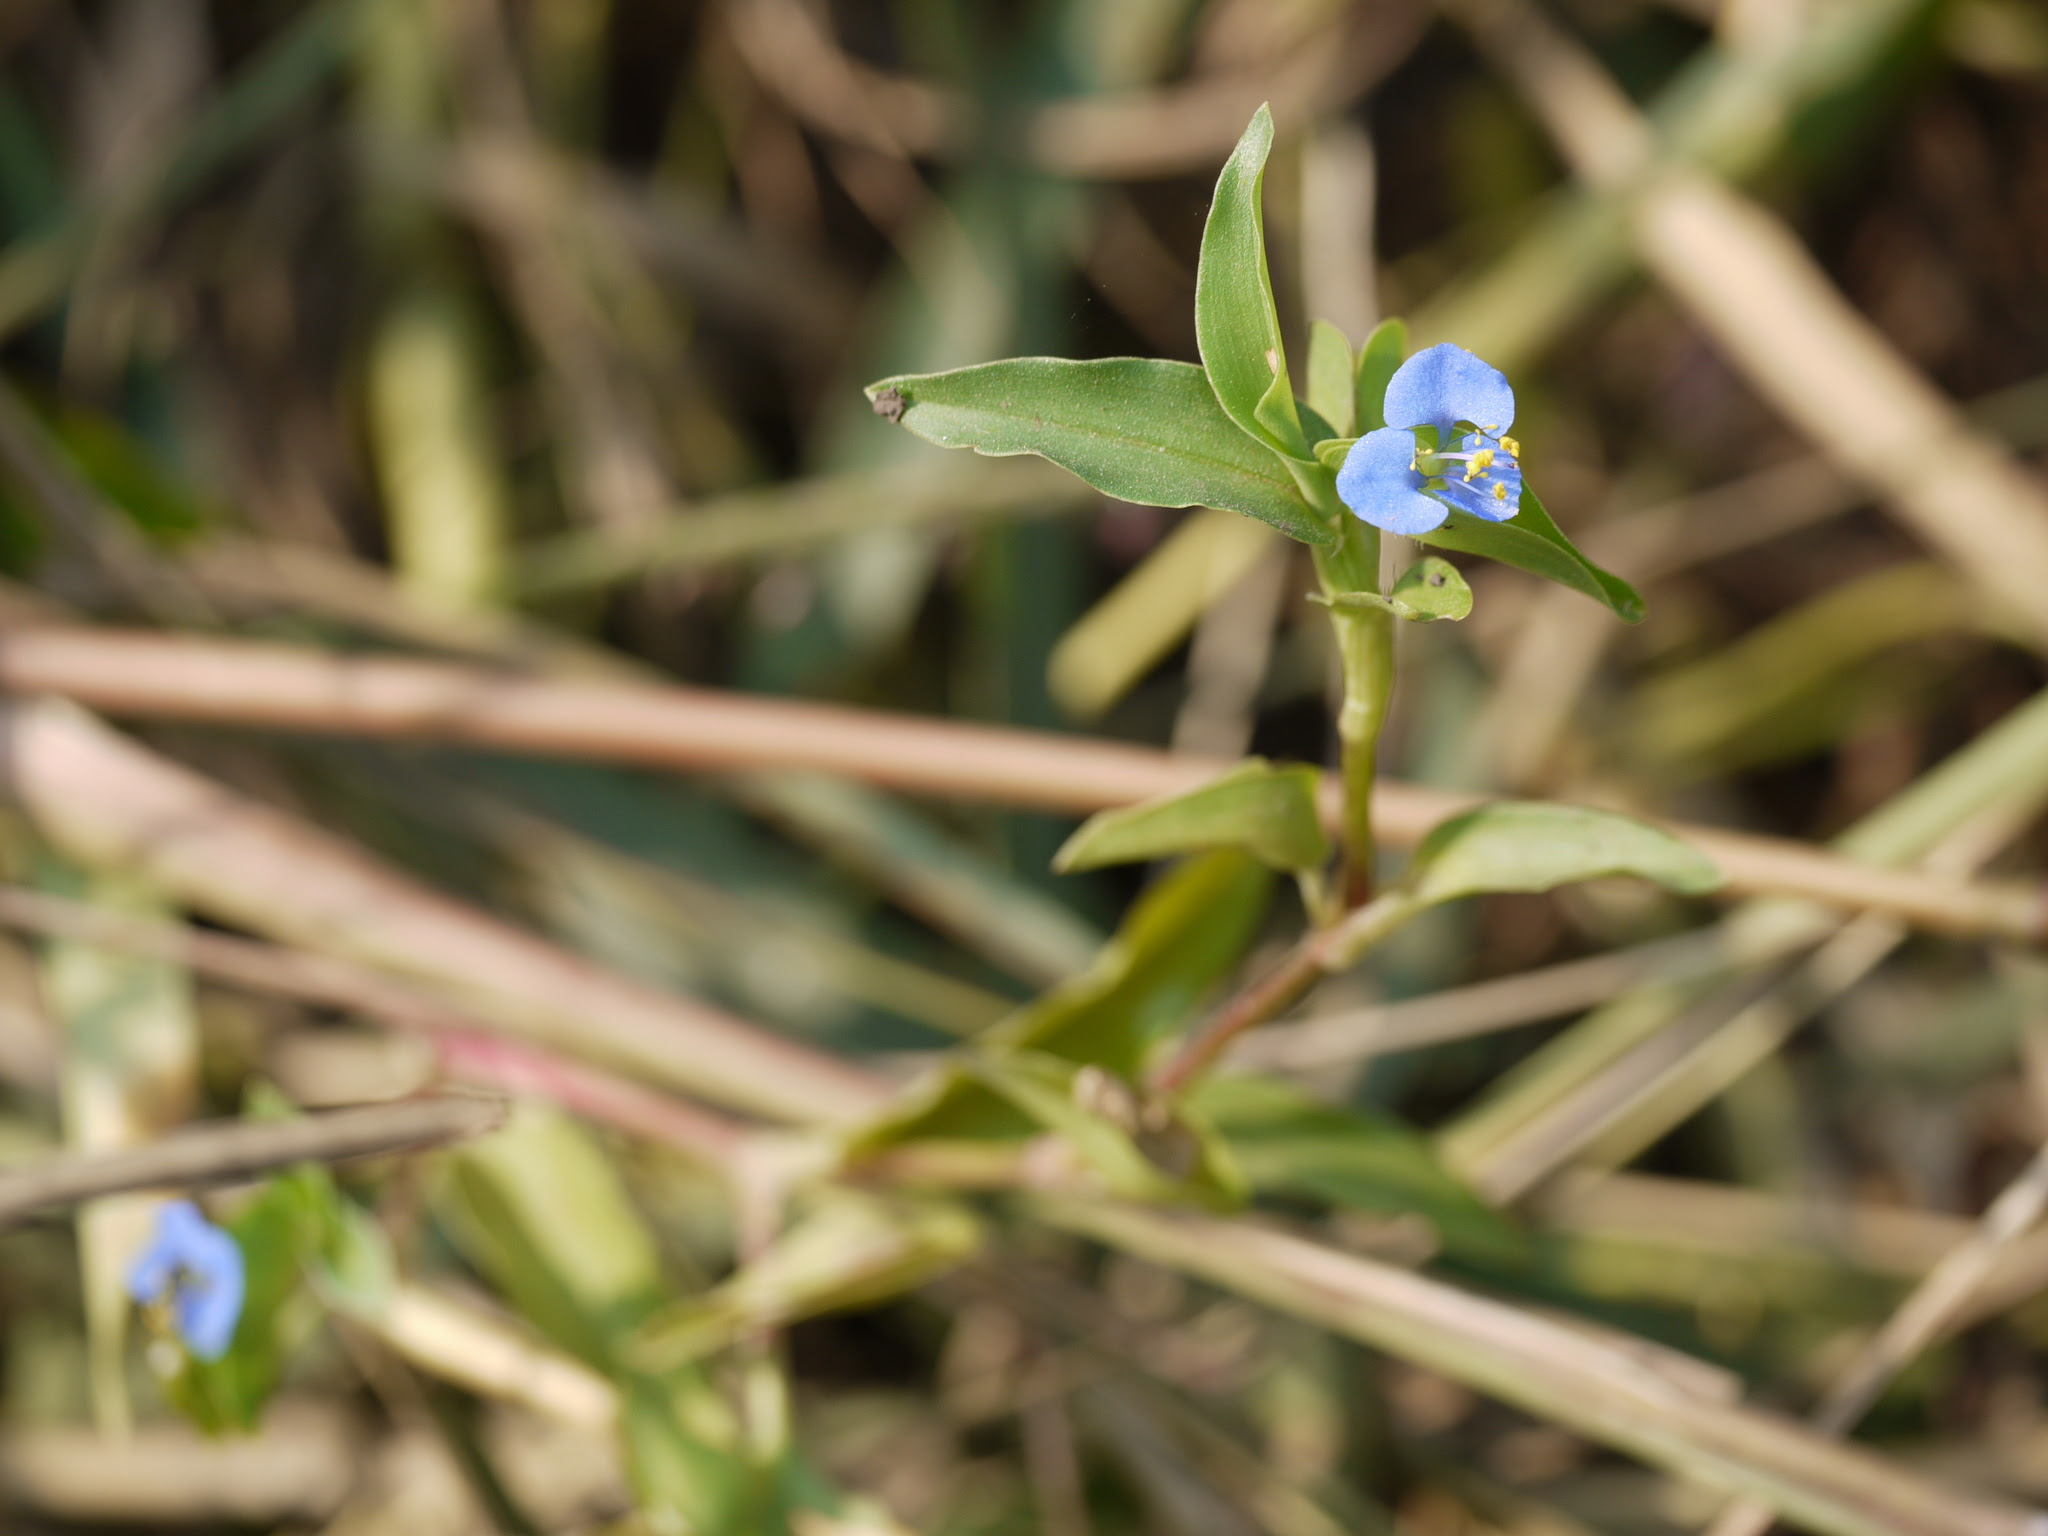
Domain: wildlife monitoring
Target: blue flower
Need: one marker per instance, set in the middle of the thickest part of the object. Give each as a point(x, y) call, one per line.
point(1445, 445)
point(195, 1269)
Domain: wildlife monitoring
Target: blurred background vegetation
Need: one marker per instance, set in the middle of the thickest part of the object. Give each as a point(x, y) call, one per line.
point(528, 335)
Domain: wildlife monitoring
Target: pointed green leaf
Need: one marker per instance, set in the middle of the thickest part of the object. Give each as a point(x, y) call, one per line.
point(1269, 812)
point(1184, 935)
point(1138, 428)
point(1332, 391)
point(849, 1249)
point(1530, 541)
point(1382, 353)
point(1236, 324)
point(542, 1212)
point(1526, 845)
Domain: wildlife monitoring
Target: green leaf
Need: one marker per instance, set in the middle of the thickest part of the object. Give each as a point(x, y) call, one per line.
point(1182, 937)
point(1312, 423)
point(1383, 352)
point(1332, 392)
point(1269, 812)
point(1278, 411)
point(850, 1249)
point(1236, 324)
point(352, 1268)
point(1138, 428)
point(1530, 541)
point(684, 1478)
point(1430, 589)
point(1331, 452)
point(541, 1211)
point(1527, 845)
point(1288, 1144)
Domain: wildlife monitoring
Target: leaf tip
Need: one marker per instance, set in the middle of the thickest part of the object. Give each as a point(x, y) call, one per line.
point(888, 399)
point(1701, 876)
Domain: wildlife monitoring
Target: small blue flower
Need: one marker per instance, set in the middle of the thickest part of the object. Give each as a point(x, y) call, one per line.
point(195, 1269)
point(1445, 445)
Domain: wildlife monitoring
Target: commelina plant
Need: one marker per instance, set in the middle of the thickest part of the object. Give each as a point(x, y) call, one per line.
point(1381, 441)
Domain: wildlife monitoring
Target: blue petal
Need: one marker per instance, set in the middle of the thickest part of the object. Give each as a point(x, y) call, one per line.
point(151, 1275)
point(156, 1268)
point(210, 1301)
point(1378, 481)
point(1443, 385)
point(200, 1267)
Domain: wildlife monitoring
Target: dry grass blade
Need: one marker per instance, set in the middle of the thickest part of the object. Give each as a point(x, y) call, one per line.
point(228, 1152)
point(1595, 1384)
point(1116, 137)
point(1835, 377)
point(1974, 805)
point(151, 676)
point(109, 801)
point(1737, 1226)
point(1936, 1305)
point(469, 1052)
point(1729, 111)
point(786, 519)
point(459, 1342)
point(95, 533)
point(298, 1468)
point(35, 272)
point(1747, 278)
point(1461, 1013)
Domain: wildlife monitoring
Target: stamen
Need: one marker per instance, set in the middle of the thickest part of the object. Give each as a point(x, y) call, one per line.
point(1513, 448)
point(1500, 491)
point(1480, 463)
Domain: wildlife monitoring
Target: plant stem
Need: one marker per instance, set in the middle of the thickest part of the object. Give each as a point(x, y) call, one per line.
point(1322, 951)
point(1365, 645)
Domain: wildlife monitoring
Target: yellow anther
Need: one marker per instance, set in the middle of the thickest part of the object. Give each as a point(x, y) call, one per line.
point(1514, 449)
point(1479, 464)
point(1500, 492)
